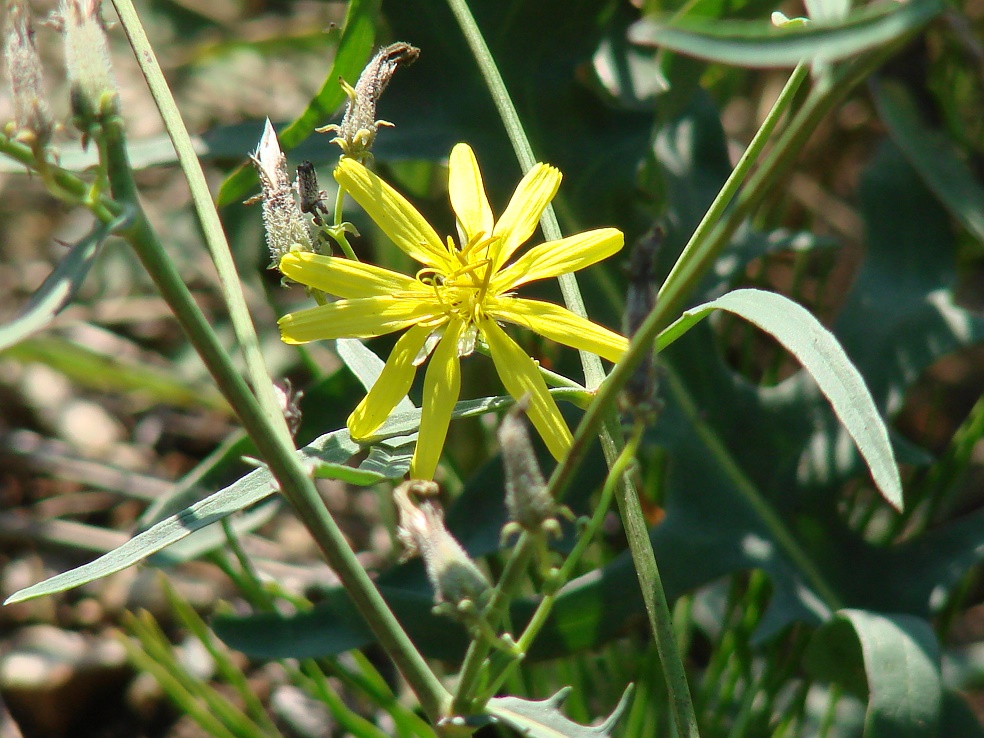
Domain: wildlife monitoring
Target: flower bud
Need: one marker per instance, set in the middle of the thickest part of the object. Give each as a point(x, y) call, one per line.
point(31, 113)
point(285, 227)
point(358, 128)
point(639, 394)
point(529, 504)
point(456, 579)
point(93, 90)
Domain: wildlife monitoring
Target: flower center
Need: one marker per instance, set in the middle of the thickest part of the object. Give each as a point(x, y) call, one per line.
point(463, 291)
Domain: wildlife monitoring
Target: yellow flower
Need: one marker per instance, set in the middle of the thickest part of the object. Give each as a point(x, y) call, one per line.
point(459, 294)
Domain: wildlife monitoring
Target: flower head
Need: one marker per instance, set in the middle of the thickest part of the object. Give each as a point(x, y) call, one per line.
point(462, 291)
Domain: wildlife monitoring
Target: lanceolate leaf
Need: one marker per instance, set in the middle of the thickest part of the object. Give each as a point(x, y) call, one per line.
point(933, 155)
point(893, 660)
point(58, 289)
point(822, 356)
point(760, 44)
point(333, 449)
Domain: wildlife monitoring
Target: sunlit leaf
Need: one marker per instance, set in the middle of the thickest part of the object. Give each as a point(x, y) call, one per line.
point(892, 660)
point(760, 44)
point(543, 719)
point(58, 288)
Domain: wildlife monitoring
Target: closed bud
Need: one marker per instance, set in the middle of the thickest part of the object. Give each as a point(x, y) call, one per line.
point(456, 580)
point(282, 220)
point(529, 504)
point(31, 113)
point(357, 131)
point(93, 90)
point(639, 394)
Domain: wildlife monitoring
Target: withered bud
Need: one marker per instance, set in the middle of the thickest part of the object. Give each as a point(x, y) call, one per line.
point(457, 581)
point(312, 197)
point(639, 394)
point(285, 227)
point(357, 131)
point(93, 89)
point(32, 115)
point(290, 404)
point(529, 504)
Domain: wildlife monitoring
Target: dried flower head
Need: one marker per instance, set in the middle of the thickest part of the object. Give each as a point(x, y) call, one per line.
point(31, 113)
point(457, 581)
point(358, 128)
point(285, 227)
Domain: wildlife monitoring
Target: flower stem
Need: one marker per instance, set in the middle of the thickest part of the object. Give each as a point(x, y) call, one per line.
point(594, 374)
point(275, 448)
point(208, 216)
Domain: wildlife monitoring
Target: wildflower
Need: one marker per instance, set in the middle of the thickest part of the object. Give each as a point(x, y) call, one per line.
point(461, 293)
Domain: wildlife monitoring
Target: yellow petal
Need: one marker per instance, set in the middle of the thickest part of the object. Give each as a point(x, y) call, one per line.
point(559, 257)
point(442, 384)
point(520, 376)
point(360, 318)
point(390, 387)
point(344, 277)
point(397, 218)
point(560, 325)
point(467, 194)
point(523, 213)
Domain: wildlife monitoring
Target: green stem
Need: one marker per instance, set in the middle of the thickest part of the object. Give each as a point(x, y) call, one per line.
point(584, 539)
point(208, 216)
point(295, 483)
point(594, 374)
point(338, 234)
point(700, 251)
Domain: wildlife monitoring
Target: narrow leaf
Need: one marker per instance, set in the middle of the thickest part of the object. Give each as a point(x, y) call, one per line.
point(894, 659)
point(822, 356)
point(932, 153)
point(760, 44)
point(59, 288)
point(366, 367)
point(331, 449)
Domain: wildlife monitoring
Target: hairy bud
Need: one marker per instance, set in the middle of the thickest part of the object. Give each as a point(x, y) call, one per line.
point(285, 227)
point(639, 395)
point(357, 131)
point(93, 89)
point(457, 581)
point(31, 113)
point(529, 504)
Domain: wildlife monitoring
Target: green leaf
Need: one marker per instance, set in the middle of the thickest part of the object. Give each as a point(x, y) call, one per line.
point(354, 46)
point(932, 153)
point(112, 372)
point(324, 454)
point(58, 288)
point(760, 44)
point(894, 660)
point(543, 719)
point(822, 356)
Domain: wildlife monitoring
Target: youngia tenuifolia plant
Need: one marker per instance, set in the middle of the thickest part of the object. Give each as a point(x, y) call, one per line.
point(764, 543)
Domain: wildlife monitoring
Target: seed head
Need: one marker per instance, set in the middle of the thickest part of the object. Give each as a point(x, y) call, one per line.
point(31, 113)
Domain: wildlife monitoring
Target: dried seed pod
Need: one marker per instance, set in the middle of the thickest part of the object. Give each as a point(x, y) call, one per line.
point(357, 131)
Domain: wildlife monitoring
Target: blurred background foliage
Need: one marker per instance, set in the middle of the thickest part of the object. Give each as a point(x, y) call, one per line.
point(764, 520)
